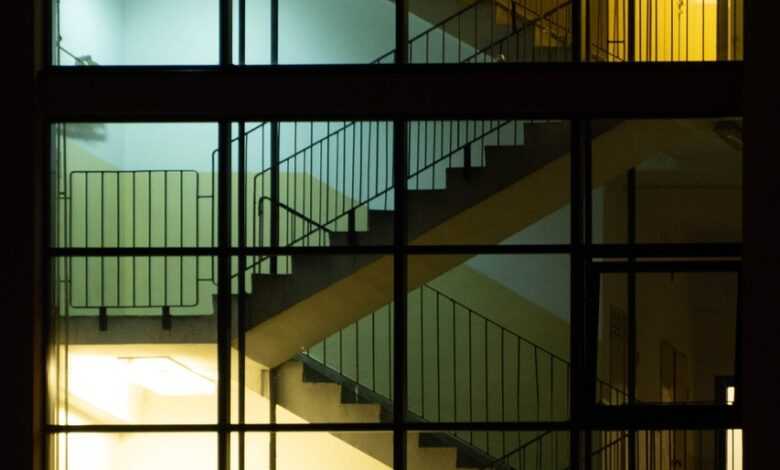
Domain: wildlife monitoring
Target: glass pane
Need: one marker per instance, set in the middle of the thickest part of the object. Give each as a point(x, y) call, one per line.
point(667, 450)
point(133, 341)
point(134, 185)
point(612, 372)
point(141, 32)
point(257, 21)
point(685, 31)
point(336, 32)
point(531, 450)
point(490, 32)
point(488, 182)
point(335, 184)
point(687, 332)
point(688, 180)
point(319, 340)
point(488, 338)
point(315, 450)
point(131, 451)
point(686, 336)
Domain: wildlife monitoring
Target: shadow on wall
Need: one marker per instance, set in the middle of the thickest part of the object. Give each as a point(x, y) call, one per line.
point(95, 132)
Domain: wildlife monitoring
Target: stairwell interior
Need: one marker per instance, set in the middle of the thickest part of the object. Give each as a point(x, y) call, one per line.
point(488, 334)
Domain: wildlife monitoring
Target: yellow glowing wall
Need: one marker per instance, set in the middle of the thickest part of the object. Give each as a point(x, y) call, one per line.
point(667, 30)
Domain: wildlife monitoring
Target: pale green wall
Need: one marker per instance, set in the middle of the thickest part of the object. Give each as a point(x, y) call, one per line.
point(88, 223)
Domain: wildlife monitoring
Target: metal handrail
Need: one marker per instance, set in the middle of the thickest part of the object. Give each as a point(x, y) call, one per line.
point(365, 381)
point(79, 59)
point(295, 212)
point(539, 16)
point(516, 451)
point(141, 183)
point(386, 191)
point(477, 314)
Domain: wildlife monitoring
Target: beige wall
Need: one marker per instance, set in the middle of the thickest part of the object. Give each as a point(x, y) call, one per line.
point(693, 312)
point(137, 405)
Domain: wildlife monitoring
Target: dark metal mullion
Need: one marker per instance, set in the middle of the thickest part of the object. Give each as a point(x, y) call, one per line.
point(242, 267)
point(588, 54)
point(223, 293)
point(399, 284)
point(577, 274)
point(631, 30)
point(275, 211)
point(590, 323)
point(576, 39)
point(400, 141)
point(275, 194)
point(42, 145)
point(223, 284)
point(631, 294)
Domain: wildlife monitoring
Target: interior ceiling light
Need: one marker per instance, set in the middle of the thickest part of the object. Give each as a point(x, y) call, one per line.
point(165, 376)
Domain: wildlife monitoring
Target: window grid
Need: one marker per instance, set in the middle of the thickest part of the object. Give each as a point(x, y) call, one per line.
point(584, 414)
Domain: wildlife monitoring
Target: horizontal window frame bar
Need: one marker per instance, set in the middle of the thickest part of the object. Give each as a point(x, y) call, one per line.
point(598, 417)
point(699, 266)
point(667, 250)
point(393, 91)
point(682, 250)
point(307, 427)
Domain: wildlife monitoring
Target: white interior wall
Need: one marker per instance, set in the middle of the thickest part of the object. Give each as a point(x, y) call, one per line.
point(171, 32)
point(133, 32)
point(94, 28)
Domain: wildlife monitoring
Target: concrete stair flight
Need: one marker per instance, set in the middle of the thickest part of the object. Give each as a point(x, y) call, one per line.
point(324, 293)
point(307, 389)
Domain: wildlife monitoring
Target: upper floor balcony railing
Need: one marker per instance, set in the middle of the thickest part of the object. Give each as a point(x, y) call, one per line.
point(170, 32)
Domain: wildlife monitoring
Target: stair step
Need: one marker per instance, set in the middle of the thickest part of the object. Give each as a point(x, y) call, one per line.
point(303, 312)
point(380, 231)
point(468, 456)
point(350, 394)
point(311, 375)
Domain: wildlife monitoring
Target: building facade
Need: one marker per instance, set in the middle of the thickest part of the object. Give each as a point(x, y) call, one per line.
point(230, 264)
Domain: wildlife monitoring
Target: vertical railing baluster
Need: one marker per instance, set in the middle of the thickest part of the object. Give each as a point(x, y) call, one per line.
point(376, 162)
point(102, 236)
point(487, 379)
point(357, 353)
point(181, 237)
point(341, 352)
point(327, 172)
point(503, 416)
point(433, 157)
point(353, 167)
point(454, 367)
point(149, 241)
point(471, 380)
point(519, 345)
point(387, 164)
point(536, 380)
point(552, 389)
point(390, 349)
point(422, 356)
point(438, 361)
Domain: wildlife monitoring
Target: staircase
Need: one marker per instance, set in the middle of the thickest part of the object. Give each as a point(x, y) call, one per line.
point(327, 292)
point(478, 171)
point(477, 381)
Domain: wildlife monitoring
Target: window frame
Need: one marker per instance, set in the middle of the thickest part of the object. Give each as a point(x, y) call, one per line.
point(584, 415)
